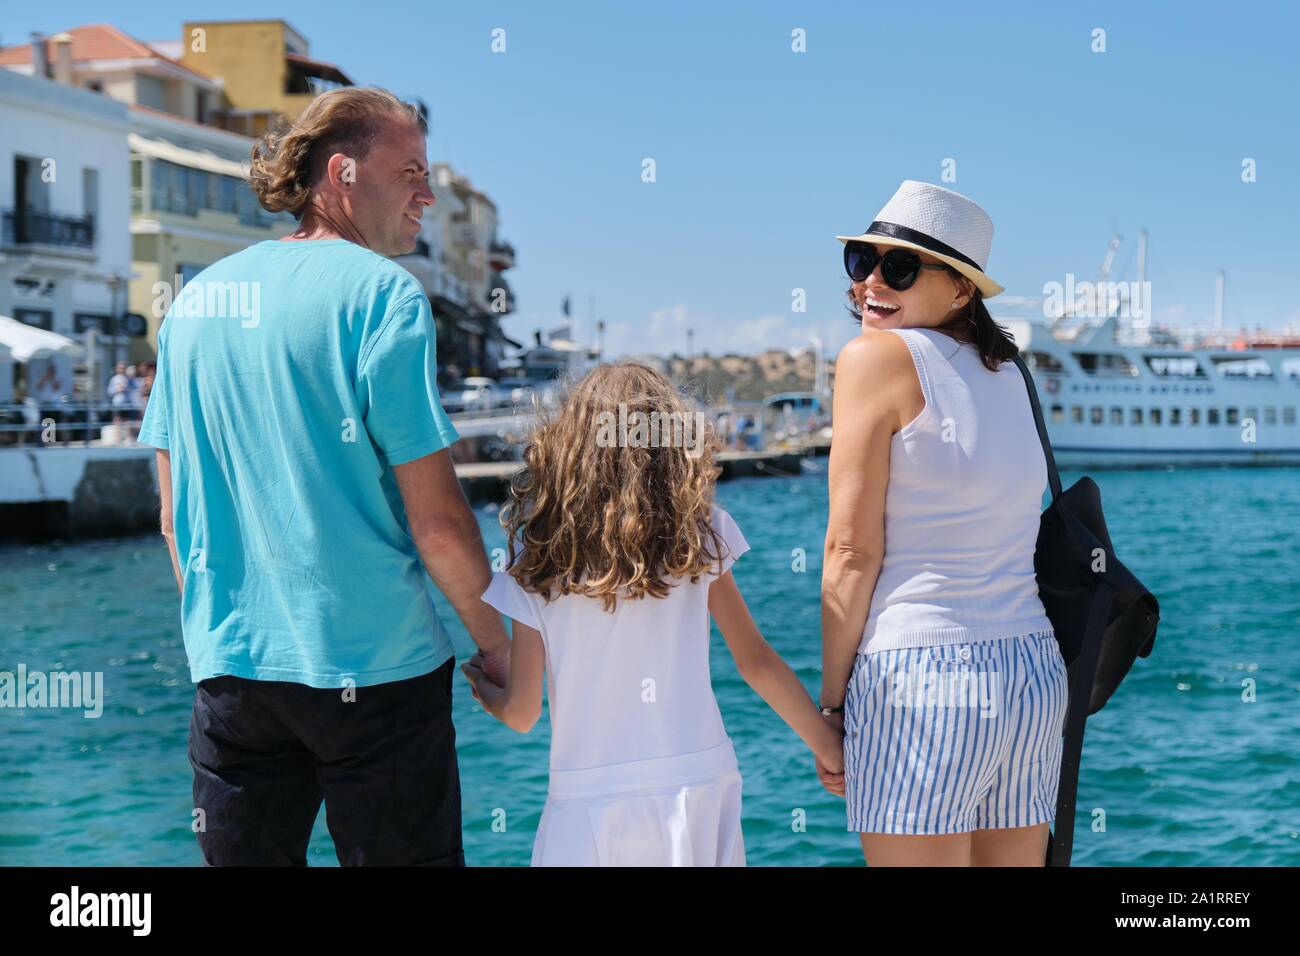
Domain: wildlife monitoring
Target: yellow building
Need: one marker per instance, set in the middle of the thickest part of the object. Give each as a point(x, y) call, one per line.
point(265, 68)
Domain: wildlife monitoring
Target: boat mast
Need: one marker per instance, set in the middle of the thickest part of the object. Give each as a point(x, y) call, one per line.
point(1218, 301)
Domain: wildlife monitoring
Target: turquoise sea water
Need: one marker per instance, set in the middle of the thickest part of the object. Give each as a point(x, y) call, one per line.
point(1185, 769)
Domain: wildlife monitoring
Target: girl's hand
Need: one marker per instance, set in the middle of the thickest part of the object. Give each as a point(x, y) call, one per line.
point(490, 696)
point(829, 760)
point(832, 780)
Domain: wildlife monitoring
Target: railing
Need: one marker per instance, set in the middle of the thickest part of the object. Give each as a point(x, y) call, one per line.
point(33, 227)
point(62, 423)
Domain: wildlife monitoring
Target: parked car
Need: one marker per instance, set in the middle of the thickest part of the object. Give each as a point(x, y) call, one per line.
point(472, 394)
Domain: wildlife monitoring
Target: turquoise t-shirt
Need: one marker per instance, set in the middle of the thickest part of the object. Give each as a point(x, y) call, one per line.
point(291, 377)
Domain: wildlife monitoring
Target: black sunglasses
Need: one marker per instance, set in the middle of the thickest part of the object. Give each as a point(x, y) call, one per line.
point(898, 267)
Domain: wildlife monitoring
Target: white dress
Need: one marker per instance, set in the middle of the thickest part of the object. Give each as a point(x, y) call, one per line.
point(642, 770)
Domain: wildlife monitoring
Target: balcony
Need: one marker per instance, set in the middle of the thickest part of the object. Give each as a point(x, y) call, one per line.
point(501, 255)
point(26, 228)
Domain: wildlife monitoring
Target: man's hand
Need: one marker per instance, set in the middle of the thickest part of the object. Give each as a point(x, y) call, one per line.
point(489, 694)
point(495, 665)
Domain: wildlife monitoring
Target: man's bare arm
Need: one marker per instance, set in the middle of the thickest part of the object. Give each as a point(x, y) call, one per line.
point(451, 547)
point(164, 461)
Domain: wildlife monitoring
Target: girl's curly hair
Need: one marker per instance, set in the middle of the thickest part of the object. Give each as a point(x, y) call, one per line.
point(287, 162)
point(608, 519)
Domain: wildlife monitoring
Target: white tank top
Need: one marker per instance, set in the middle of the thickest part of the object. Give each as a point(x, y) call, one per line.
point(632, 683)
point(966, 482)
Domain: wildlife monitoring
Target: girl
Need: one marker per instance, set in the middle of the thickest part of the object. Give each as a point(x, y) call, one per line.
point(936, 484)
point(623, 559)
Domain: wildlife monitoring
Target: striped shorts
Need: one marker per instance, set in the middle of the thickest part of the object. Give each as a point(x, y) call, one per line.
point(955, 738)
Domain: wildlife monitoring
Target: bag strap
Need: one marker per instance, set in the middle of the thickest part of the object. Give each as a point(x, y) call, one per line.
point(1053, 476)
point(1083, 676)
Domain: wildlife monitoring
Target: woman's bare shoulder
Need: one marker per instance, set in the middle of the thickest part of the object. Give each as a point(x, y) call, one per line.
point(874, 355)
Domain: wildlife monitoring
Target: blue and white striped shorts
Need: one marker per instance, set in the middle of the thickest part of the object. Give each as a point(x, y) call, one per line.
point(955, 738)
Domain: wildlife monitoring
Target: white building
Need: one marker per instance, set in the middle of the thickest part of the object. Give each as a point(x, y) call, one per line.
point(65, 246)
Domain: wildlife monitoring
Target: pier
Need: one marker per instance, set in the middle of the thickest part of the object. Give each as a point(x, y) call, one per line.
point(97, 490)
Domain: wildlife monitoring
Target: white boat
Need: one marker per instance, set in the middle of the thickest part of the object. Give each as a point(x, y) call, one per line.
point(1113, 395)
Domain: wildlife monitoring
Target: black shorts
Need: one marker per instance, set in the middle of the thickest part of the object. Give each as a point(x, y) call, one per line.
point(266, 753)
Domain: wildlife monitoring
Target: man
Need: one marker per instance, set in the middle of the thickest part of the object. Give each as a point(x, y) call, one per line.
point(306, 488)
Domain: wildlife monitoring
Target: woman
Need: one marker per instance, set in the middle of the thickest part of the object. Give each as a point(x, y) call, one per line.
point(939, 661)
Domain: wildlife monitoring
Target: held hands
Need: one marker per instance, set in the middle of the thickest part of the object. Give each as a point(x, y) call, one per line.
point(830, 762)
point(486, 690)
point(495, 665)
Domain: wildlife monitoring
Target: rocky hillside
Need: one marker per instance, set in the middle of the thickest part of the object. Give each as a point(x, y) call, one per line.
point(752, 377)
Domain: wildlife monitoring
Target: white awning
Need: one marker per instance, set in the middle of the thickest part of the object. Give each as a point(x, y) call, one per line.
point(192, 158)
point(26, 342)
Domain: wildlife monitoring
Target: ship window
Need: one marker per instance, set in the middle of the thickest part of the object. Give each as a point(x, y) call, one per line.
point(1105, 364)
point(1175, 416)
point(1253, 415)
point(1116, 415)
point(1155, 416)
point(1270, 415)
point(1193, 416)
point(1044, 361)
point(1231, 417)
point(1136, 416)
point(1211, 416)
point(1174, 366)
point(1096, 414)
point(1288, 415)
point(1076, 414)
point(1058, 414)
point(1237, 366)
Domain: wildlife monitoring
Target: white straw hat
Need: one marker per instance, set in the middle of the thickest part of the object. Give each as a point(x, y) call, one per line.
point(945, 224)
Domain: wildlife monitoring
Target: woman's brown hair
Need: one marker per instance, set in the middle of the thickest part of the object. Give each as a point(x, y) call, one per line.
point(972, 323)
point(287, 162)
point(613, 520)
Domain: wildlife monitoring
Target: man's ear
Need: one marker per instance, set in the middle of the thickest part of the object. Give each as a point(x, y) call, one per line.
point(341, 170)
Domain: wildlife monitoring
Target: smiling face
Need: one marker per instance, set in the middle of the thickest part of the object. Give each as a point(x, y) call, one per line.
point(391, 190)
point(932, 299)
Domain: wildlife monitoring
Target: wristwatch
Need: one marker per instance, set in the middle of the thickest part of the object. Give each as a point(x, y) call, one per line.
point(827, 711)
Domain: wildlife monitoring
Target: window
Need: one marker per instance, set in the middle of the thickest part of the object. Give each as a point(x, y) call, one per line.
point(1116, 415)
point(1253, 415)
point(41, 318)
point(1211, 416)
point(1106, 364)
point(1193, 416)
point(1175, 416)
point(1288, 415)
point(1076, 414)
point(1096, 414)
point(1044, 361)
point(1135, 416)
point(90, 192)
point(1058, 414)
point(1174, 366)
point(1155, 416)
point(1231, 417)
point(1237, 366)
point(1270, 415)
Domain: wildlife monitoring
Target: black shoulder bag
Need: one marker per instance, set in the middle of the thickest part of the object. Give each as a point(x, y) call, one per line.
point(1103, 616)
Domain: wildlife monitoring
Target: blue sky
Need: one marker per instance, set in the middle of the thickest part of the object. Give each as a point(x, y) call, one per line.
point(763, 154)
